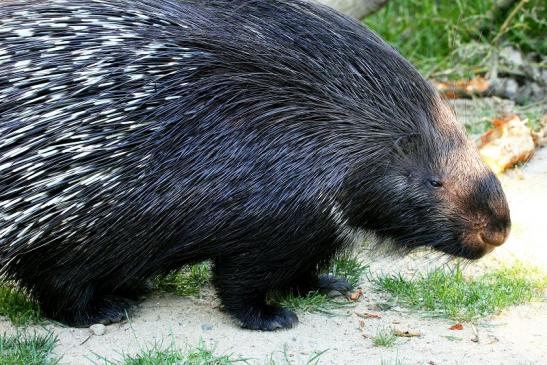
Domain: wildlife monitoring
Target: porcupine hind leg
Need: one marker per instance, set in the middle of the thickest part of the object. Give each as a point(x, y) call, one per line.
point(84, 306)
point(70, 295)
point(112, 305)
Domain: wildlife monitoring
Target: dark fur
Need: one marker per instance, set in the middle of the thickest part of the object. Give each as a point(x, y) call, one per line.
point(294, 125)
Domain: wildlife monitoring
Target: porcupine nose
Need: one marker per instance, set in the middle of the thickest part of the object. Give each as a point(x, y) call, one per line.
point(495, 237)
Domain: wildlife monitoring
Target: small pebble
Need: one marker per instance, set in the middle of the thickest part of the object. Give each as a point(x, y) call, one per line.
point(98, 329)
point(206, 327)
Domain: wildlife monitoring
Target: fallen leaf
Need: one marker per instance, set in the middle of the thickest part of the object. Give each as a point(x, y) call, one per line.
point(457, 89)
point(406, 333)
point(506, 144)
point(456, 327)
point(358, 294)
point(362, 328)
point(368, 315)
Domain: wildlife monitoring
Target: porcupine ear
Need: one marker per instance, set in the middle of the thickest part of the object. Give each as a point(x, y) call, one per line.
point(404, 144)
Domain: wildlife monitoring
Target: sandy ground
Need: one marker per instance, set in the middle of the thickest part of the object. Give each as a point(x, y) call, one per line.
point(515, 336)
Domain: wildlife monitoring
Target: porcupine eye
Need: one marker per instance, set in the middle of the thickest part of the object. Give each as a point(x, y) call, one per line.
point(435, 183)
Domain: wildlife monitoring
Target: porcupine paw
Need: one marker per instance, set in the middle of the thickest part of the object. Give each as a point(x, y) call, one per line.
point(333, 286)
point(109, 309)
point(267, 318)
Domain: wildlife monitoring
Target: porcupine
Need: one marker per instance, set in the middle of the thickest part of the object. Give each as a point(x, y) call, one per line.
point(141, 136)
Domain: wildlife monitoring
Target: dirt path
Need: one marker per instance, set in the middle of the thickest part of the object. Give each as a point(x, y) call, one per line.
point(516, 336)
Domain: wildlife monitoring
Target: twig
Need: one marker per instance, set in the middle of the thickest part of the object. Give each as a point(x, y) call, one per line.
point(475, 334)
point(508, 20)
point(499, 8)
point(493, 73)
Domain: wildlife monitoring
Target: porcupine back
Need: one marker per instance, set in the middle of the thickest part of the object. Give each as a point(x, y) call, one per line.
point(90, 96)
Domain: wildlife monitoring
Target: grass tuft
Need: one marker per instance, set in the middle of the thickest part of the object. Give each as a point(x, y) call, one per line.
point(191, 279)
point(173, 356)
point(186, 282)
point(348, 267)
point(17, 306)
point(28, 349)
point(286, 358)
point(395, 361)
point(384, 338)
point(449, 294)
point(311, 303)
point(456, 36)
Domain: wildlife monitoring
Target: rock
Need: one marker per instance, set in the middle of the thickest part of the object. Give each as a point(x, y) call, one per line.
point(98, 329)
point(206, 327)
point(355, 8)
point(530, 92)
point(511, 57)
point(472, 52)
point(504, 88)
point(534, 73)
point(473, 111)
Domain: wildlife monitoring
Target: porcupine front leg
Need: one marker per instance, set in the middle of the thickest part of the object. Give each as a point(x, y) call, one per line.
point(325, 284)
point(310, 279)
point(242, 287)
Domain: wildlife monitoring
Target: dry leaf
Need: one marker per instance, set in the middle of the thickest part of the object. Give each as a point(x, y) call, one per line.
point(362, 328)
point(457, 89)
point(358, 294)
point(456, 327)
point(508, 143)
point(368, 315)
point(400, 333)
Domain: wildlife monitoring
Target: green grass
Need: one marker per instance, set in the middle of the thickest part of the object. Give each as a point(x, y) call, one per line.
point(17, 306)
point(311, 303)
point(533, 113)
point(483, 114)
point(191, 279)
point(437, 35)
point(186, 282)
point(384, 338)
point(395, 361)
point(349, 267)
point(172, 355)
point(449, 294)
point(27, 349)
point(313, 358)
